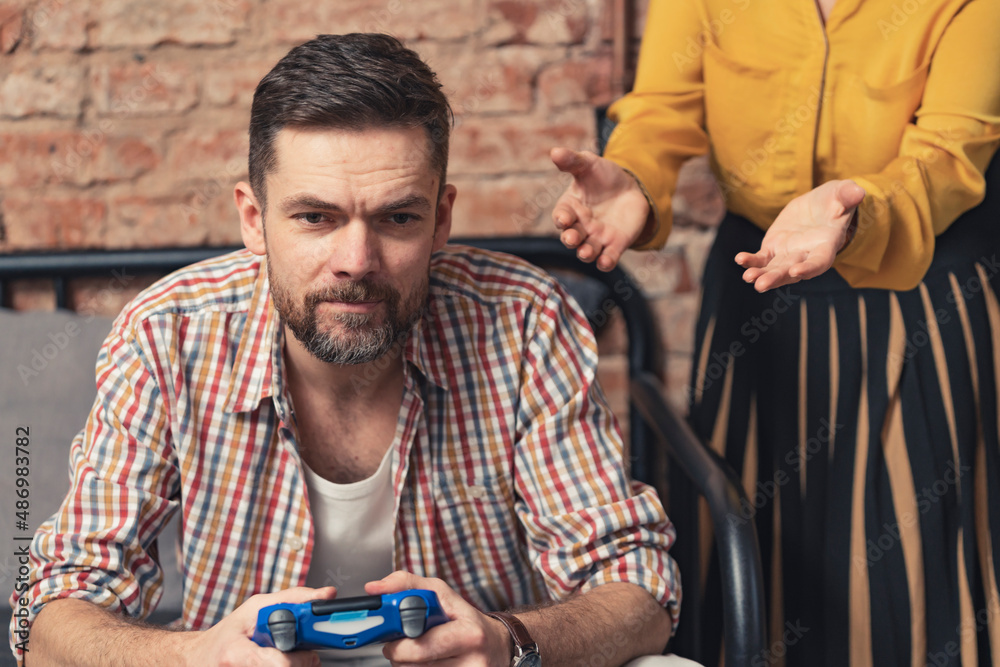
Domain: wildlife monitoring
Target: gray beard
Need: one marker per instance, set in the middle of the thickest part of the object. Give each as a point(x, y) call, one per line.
point(363, 345)
point(362, 341)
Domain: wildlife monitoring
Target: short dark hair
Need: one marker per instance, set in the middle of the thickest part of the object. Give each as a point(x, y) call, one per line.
point(354, 82)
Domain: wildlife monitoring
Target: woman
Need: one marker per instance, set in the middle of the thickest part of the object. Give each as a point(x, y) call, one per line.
point(860, 404)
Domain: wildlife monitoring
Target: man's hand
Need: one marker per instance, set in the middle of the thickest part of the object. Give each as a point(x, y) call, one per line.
point(602, 212)
point(805, 238)
point(79, 633)
point(471, 639)
point(606, 626)
point(228, 641)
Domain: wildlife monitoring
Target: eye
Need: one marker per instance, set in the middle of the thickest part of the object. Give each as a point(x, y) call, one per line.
point(312, 217)
point(402, 218)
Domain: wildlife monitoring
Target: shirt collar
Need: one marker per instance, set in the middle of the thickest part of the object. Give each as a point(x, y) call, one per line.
point(259, 353)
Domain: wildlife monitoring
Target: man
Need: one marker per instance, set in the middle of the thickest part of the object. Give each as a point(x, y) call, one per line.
point(352, 396)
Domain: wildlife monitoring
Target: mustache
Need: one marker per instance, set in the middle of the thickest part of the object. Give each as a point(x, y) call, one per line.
point(353, 292)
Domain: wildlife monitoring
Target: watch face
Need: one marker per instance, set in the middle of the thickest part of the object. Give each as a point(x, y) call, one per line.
point(530, 660)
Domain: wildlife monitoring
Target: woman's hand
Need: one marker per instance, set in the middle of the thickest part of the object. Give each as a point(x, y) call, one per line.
point(805, 238)
point(602, 212)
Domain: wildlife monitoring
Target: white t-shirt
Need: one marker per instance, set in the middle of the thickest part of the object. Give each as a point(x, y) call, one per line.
point(353, 528)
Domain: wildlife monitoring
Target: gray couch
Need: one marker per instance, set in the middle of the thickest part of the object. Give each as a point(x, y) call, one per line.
point(47, 365)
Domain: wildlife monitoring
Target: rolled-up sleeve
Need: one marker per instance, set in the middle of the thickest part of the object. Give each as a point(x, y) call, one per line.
point(586, 523)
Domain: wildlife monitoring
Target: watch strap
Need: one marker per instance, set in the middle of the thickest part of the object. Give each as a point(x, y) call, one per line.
point(523, 643)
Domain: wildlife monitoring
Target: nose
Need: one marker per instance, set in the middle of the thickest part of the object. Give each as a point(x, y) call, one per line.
point(355, 253)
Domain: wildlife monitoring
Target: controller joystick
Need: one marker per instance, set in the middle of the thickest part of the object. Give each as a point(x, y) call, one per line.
point(412, 611)
point(348, 623)
point(281, 623)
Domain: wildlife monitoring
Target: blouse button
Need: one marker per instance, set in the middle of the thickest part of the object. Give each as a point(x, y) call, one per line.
point(295, 544)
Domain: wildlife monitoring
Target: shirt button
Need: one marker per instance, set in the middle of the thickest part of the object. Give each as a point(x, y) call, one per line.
point(295, 544)
point(477, 491)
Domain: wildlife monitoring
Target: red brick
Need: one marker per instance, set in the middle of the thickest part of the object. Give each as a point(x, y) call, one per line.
point(514, 144)
point(501, 31)
point(612, 337)
point(612, 375)
point(140, 23)
point(531, 22)
point(698, 200)
point(55, 90)
point(695, 243)
point(209, 206)
point(678, 377)
point(203, 153)
point(60, 24)
point(32, 295)
point(220, 217)
point(11, 26)
point(533, 213)
point(105, 297)
point(121, 158)
point(521, 15)
point(491, 87)
point(233, 82)
point(491, 80)
point(78, 158)
point(24, 159)
point(605, 36)
point(576, 82)
point(143, 89)
point(427, 19)
point(561, 22)
point(606, 21)
point(39, 223)
point(104, 157)
point(505, 206)
point(128, 156)
point(676, 316)
point(295, 21)
point(29, 160)
point(658, 272)
point(639, 18)
point(143, 222)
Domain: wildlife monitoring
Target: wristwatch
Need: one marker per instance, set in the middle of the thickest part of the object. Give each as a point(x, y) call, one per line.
point(525, 649)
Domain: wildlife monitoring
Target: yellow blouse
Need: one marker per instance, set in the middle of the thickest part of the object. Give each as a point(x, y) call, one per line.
point(902, 96)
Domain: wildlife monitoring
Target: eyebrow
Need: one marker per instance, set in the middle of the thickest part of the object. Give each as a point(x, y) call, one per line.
point(311, 201)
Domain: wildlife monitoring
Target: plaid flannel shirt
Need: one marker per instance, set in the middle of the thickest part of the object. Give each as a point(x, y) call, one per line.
point(507, 465)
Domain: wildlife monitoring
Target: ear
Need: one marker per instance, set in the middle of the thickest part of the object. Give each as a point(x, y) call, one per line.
point(442, 223)
point(251, 218)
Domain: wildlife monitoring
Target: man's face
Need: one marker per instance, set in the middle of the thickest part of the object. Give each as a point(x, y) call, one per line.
point(352, 219)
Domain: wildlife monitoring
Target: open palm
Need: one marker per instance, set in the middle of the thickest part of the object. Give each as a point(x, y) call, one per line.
point(805, 238)
point(602, 212)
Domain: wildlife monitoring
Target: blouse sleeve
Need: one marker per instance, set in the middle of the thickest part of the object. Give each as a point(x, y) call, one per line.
point(938, 174)
point(661, 122)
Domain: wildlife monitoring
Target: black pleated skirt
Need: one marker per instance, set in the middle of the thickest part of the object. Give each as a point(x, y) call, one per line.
point(864, 424)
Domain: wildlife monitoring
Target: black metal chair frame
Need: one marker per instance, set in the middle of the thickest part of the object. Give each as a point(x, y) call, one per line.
point(658, 435)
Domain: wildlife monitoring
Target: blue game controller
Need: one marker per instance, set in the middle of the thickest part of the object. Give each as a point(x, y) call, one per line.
point(348, 623)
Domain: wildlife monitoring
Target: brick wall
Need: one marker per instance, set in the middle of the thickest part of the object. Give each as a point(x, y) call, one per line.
point(123, 124)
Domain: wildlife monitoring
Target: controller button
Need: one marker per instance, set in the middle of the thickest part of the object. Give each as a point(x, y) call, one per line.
point(412, 612)
point(281, 623)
